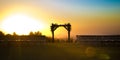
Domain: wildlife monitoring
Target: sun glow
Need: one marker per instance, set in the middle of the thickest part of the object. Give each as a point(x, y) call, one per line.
point(21, 24)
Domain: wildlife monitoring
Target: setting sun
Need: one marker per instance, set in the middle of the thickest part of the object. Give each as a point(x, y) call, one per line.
point(21, 24)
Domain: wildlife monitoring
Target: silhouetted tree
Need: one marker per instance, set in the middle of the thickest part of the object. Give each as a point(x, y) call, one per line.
point(14, 34)
point(8, 37)
point(37, 33)
point(1, 35)
point(31, 33)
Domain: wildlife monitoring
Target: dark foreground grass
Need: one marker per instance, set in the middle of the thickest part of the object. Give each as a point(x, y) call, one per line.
point(55, 51)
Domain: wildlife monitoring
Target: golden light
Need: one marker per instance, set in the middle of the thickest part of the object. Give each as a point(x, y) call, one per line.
point(21, 24)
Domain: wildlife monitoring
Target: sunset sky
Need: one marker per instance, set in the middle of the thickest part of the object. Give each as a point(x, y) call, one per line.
point(85, 16)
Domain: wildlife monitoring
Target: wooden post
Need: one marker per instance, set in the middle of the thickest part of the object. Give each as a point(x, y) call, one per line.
point(68, 36)
point(69, 29)
point(52, 36)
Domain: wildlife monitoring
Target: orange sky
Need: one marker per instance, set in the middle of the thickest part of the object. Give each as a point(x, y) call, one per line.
point(84, 18)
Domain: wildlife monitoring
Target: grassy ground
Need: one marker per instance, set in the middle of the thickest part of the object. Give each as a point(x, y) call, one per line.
point(56, 51)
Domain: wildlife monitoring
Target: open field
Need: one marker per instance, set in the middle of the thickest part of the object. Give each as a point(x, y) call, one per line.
point(31, 50)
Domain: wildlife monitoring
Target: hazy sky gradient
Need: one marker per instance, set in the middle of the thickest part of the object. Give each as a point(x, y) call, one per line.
point(86, 16)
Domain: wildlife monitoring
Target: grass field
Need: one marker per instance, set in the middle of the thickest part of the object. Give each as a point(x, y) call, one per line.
point(56, 51)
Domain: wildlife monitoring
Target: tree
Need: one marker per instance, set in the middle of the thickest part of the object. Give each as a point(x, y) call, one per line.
point(31, 33)
point(8, 37)
point(14, 34)
point(37, 33)
point(1, 33)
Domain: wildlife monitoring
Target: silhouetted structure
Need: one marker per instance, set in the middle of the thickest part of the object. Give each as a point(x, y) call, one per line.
point(66, 26)
point(99, 39)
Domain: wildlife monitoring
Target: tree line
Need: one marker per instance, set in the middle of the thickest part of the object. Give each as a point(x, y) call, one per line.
point(31, 36)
